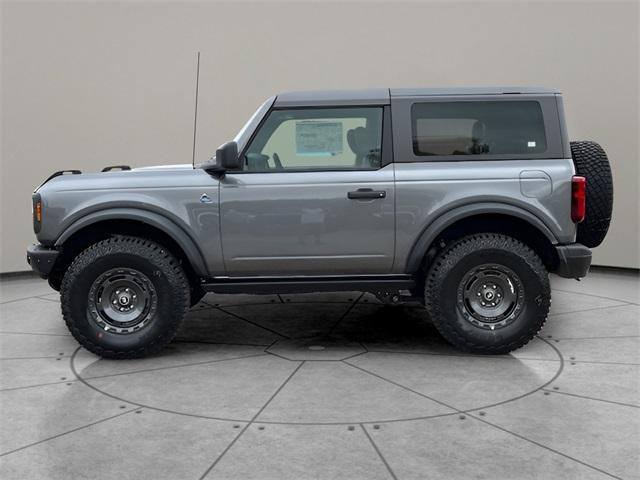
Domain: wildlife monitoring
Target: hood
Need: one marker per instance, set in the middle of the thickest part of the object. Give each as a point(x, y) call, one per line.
point(143, 177)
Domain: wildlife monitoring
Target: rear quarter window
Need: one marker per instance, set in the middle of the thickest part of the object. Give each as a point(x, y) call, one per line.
point(478, 128)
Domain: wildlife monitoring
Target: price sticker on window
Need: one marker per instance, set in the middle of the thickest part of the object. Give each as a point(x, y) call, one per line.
point(317, 137)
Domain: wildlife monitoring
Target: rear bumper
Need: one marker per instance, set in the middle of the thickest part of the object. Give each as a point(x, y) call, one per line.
point(42, 259)
point(574, 260)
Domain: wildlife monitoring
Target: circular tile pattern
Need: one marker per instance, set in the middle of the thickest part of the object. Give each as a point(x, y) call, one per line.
point(305, 362)
point(595, 393)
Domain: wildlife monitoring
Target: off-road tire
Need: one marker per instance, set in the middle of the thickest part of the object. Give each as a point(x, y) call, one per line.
point(159, 266)
point(592, 163)
point(448, 270)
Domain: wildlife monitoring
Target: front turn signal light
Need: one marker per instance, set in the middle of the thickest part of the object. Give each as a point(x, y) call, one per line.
point(37, 213)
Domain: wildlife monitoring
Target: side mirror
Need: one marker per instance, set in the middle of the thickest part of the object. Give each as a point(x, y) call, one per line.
point(227, 156)
point(226, 159)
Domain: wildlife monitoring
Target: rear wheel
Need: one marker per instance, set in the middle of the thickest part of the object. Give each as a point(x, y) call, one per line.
point(124, 297)
point(488, 293)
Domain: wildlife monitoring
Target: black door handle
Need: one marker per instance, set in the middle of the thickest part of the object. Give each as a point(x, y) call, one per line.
point(364, 193)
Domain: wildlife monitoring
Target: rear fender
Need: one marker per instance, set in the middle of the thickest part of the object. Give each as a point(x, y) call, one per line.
point(435, 228)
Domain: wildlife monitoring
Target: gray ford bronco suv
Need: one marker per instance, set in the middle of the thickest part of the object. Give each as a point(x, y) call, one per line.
point(463, 199)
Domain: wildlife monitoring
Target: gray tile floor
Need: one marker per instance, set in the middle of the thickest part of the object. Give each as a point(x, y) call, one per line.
point(324, 386)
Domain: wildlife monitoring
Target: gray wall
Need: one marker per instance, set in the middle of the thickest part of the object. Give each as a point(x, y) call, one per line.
point(86, 85)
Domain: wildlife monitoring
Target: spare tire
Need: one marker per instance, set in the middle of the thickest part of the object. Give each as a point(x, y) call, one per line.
point(592, 163)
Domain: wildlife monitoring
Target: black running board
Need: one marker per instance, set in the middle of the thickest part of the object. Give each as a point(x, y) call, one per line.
point(266, 285)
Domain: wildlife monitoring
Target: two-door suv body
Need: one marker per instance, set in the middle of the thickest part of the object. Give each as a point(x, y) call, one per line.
point(462, 199)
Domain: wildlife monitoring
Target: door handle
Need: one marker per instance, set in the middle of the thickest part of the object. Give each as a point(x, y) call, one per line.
point(366, 193)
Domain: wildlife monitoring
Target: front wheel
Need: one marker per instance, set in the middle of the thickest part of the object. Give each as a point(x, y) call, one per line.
point(488, 293)
point(124, 297)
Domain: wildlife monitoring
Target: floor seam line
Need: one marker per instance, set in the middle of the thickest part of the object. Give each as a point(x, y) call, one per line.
point(596, 338)
point(457, 410)
point(154, 408)
point(91, 387)
point(67, 432)
point(344, 315)
point(596, 296)
point(251, 422)
point(203, 342)
point(522, 437)
point(37, 333)
point(48, 299)
point(18, 300)
point(402, 386)
point(267, 347)
point(253, 323)
point(489, 357)
point(596, 362)
point(25, 387)
point(35, 358)
point(375, 447)
point(592, 398)
point(625, 304)
point(175, 366)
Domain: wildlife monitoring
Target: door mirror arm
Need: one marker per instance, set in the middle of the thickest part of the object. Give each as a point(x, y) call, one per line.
point(214, 170)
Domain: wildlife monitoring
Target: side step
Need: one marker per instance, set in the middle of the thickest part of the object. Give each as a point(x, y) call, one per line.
point(266, 285)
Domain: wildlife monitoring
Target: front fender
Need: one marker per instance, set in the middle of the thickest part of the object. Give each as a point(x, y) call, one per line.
point(182, 238)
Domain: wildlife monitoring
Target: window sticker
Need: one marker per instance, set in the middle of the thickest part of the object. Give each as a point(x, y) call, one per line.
point(317, 137)
point(531, 144)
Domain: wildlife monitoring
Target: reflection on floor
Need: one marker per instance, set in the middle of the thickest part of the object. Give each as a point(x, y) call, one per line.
point(324, 386)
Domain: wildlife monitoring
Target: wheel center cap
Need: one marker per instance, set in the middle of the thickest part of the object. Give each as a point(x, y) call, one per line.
point(490, 294)
point(124, 299)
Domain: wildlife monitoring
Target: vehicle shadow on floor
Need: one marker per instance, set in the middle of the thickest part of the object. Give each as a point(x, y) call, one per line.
point(372, 324)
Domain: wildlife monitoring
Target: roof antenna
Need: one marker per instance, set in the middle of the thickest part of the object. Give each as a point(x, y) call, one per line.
point(195, 114)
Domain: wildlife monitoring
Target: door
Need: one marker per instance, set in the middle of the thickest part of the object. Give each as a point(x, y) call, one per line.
point(315, 196)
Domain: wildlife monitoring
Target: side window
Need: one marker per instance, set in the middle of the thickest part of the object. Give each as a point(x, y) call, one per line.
point(478, 128)
point(317, 139)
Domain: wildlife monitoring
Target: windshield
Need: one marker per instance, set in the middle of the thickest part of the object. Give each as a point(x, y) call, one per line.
point(245, 132)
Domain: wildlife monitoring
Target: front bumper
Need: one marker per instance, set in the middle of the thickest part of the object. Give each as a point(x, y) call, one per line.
point(574, 260)
point(42, 259)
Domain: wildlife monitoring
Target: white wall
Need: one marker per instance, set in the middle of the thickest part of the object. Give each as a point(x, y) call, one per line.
point(90, 84)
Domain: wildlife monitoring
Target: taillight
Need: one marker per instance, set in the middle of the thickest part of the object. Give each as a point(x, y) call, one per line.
point(578, 198)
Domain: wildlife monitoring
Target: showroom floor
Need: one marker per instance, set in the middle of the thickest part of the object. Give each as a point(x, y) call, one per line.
point(324, 386)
